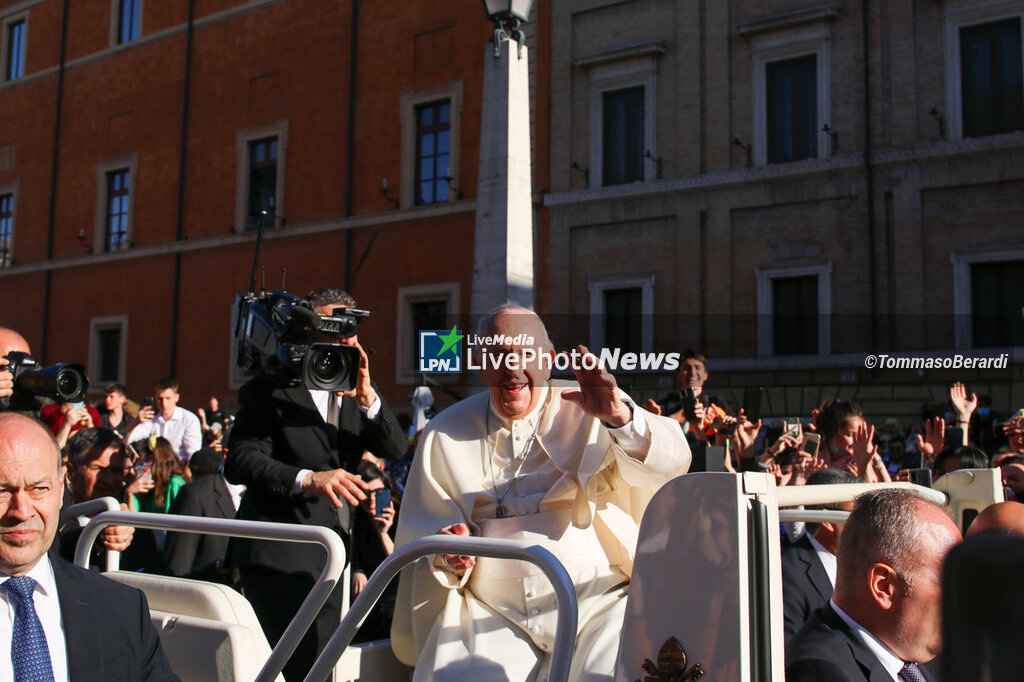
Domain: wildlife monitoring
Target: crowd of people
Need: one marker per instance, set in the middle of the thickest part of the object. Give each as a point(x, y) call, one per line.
point(571, 468)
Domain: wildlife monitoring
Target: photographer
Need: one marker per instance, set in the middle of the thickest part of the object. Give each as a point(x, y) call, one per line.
point(10, 340)
point(296, 450)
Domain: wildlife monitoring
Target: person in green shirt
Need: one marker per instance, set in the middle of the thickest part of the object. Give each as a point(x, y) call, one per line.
point(161, 475)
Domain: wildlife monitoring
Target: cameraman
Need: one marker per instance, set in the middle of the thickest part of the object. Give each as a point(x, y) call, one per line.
point(296, 450)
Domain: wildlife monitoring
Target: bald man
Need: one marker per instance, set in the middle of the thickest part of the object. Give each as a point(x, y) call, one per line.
point(10, 340)
point(59, 621)
point(1001, 516)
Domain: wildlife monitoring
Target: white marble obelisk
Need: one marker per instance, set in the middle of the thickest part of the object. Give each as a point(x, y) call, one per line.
point(503, 247)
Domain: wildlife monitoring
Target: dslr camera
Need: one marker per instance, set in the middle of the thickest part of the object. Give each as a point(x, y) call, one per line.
point(278, 334)
point(65, 382)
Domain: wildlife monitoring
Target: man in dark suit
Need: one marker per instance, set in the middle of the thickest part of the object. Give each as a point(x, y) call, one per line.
point(107, 633)
point(296, 450)
point(196, 554)
point(884, 616)
point(809, 562)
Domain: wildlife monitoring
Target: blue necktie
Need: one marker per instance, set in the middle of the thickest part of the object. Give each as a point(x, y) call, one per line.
point(29, 652)
point(911, 673)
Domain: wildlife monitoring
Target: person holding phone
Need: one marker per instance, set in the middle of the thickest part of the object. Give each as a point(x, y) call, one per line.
point(848, 441)
point(373, 540)
point(65, 419)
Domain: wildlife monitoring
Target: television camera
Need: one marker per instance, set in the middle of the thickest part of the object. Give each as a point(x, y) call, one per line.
point(277, 334)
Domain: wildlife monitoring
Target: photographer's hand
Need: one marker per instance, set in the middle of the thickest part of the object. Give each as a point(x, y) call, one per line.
point(363, 392)
point(6, 380)
point(336, 484)
point(146, 414)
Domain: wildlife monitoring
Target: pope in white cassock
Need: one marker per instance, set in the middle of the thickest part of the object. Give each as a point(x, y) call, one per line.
point(569, 468)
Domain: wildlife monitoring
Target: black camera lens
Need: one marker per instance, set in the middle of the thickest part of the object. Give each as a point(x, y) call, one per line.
point(330, 367)
point(69, 383)
point(326, 365)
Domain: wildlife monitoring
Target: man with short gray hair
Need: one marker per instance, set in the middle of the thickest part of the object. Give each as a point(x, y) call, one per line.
point(885, 614)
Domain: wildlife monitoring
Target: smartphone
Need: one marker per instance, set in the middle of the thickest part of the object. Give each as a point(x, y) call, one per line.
point(689, 401)
point(77, 406)
point(792, 426)
point(381, 502)
point(812, 441)
point(921, 477)
point(752, 396)
point(147, 401)
point(954, 437)
point(913, 460)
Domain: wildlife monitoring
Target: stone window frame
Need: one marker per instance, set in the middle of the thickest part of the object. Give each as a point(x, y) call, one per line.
point(11, 188)
point(450, 293)
point(242, 140)
point(409, 101)
point(960, 15)
point(5, 38)
point(787, 36)
point(766, 275)
point(619, 68)
point(131, 164)
point(599, 285)
point(961, 261)
point(115, 22)
point(96, 325)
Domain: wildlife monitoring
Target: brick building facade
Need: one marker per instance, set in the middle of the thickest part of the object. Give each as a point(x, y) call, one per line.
point(139, 140)
point(766, 182)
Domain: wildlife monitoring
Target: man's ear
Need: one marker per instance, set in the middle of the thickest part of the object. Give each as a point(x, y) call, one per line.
point(883, 585)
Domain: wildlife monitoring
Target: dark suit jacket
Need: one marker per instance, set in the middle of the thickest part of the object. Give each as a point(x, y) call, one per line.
point(805, 584)
point(278, 431)
point(107, 629)
point(187, 552)
point(827, 649)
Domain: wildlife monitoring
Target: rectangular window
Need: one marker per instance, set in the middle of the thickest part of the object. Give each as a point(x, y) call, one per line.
point(108, 354)
point(623, 311)
point(433, 152)
point(15, 61)
point(6, 230)
point(997, 304)
point(991, 83)
point(118, 198)
point(795, 315)
point(426, 315)
point(623, 136)
point(792, 102)
point(108, 341)
point(129, 20)
point(262, 181)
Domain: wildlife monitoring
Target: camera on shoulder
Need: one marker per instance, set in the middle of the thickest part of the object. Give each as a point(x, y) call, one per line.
point(278, 334)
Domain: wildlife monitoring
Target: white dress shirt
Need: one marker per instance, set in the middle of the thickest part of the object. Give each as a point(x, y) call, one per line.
point(827, 559)
point(320, 399)
point(183, 430)
point(48, 609)
point(890, 661)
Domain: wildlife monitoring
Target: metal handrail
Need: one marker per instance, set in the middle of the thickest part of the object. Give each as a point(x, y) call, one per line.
point(813, 515)
point(495, 548)
point(257, 530)
point(795, 495)
point(100, 504)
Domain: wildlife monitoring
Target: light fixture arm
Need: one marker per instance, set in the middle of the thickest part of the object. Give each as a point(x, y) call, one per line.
point(507, 28)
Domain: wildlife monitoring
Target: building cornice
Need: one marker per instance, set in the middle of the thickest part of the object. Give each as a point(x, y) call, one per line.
point(739, 176)
point(787, 20)
point(618, 53)
point(208, 243)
